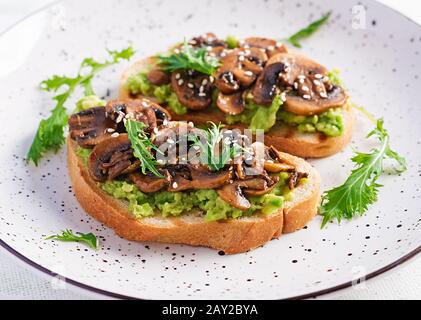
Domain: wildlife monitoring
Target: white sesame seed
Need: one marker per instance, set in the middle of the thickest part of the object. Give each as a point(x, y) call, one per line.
point(323, 94)
point(271, 48)
point(295, 85)
point(247, 52)
point(211, 79)
point(263, 50)
point(248, 73)
point(241, 58)
point(160, 161)
point(269, 161)
point(155, 130)
point(119, 118)
point(180, 82)
point(279, 44)
point(307, 97)
point(177, 76)
point(305, 88)
point(196, 147)
point(283, 96)
point(301, 81)
point(190, 85)
point(317, 82)
point(204, 82)
point(318, 76)
point(177, 51)
point(165, 122)
point(110, 130)
point(115, 135)
point(190, 124)
point(170, 141)
point(201, 88)
point(202, 94)
point(175, 185)
point(301, 76)
point(325, 79)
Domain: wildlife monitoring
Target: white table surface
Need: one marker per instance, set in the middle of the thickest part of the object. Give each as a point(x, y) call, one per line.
point(19, 281)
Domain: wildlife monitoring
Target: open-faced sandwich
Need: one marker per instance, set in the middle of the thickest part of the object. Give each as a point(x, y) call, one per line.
point(255, 83)
point(153, 179)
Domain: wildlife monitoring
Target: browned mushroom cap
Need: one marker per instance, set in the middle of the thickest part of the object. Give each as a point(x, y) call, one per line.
point(89, 127)
point(239, 69)
point(193, 89)
point(232, 193)
point(271, 47)
point(294, 179)
point(142, 110)
point(110, 158)
point(256, 192)
point(207, 40)
point(265, 88)
point(231, 103)
point(148, 183)
point(158, 77)
point(311, 92)
point(276, 167)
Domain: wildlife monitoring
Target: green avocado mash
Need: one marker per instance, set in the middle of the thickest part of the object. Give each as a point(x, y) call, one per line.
point(232, 42)
point(139, 84)
point(206, 200)
point(88, 102)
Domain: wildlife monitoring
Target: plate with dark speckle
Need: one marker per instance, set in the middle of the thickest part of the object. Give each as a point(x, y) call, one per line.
point(378, 52)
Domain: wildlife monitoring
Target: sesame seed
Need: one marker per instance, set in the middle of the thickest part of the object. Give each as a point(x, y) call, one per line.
point(211, 79)
point(269, 161)
point(307, 97)
point(190, 85)
point(202, 94)
point(305, 88)
point(247, 52)
point(201, 88)
point(248, 73)
point(317, 82)
point(175, 185)
point(325, 79)
point(283, 96)
point(318, 76)
point(119, 118)
point(155, 130)
point(323, 94)
point(170, 141)
point(295, 85)
point(110, 130)
point(241, 58)
point(301, 81)
point(165, 122)
point(115, 135)
point(177, 76)
point(180, 82)
point(279, 44)
point(271, 48)
point(301, 76)
point(190, 124)
point(204, 82)
point(177, 51)
point(160, 161)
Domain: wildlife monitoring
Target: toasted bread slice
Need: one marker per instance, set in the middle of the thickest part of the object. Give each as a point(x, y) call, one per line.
point(231, 236)
point(283, 137)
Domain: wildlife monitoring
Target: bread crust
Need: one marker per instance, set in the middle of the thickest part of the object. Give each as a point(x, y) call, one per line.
point(231, 236)
point(283, 137)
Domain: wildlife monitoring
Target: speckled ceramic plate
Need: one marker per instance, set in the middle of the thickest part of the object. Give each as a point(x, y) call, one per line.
point(378, 51)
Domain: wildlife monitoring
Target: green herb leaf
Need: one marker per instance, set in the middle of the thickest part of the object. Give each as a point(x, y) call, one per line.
point(308, 31)
point(189, 58)
point(68, 236)
point(50, 133)
point(361, 188)
point(142, 146)
point(215, 153)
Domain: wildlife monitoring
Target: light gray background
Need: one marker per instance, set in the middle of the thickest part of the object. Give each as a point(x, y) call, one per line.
point(18, 281)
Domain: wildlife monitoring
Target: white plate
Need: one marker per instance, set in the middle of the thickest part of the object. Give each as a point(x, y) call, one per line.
point(380, 65)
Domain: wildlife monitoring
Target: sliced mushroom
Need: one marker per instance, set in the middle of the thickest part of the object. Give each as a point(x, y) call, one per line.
point(90, 127)
point(265, 88)
point(110, 158)
point(309, 88)
point(193, 89)
point(239, 69)
point(148, 183)
point(231, 104)
point(271, 47)
point(257, 192)
point(158, 77)
point(142, 110)
point(294, 179)
point(233, 194)
point(276, 167)
point(202, 178)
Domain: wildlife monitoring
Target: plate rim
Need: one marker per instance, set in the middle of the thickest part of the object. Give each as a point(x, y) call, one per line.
point(36, 266)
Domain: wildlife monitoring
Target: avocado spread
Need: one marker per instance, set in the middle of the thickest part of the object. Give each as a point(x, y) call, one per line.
point(257, 117)
point(206, 200)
